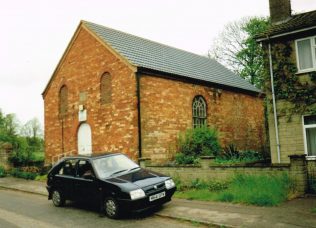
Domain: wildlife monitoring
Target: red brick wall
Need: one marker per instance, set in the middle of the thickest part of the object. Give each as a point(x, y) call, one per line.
point(114, 126)
point(166, 109)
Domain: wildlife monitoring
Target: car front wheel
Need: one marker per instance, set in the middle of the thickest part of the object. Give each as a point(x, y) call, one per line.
point(57, 198)
point(111, 208)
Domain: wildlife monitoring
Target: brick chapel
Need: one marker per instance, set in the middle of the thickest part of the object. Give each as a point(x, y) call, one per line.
point(116, 92)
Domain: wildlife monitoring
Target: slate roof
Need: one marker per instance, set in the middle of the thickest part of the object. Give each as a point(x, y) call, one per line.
point(296, 22)
point(151, 55)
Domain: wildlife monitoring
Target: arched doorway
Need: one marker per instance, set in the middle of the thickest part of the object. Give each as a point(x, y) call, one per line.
point(84, 139)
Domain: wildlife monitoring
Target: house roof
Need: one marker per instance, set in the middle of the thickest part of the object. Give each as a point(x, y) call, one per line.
point(294, 23)
point(151, 55)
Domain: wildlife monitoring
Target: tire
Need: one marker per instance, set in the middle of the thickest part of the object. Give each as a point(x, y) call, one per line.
point(111, 208)
point(57, 198)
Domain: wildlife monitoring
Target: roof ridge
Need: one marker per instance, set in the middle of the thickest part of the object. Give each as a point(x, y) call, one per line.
point(142, 38)
point(302, 14)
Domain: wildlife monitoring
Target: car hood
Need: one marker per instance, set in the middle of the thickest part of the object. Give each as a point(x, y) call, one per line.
point(141, 178)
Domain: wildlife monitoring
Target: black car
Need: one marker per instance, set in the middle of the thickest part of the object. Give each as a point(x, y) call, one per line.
point(113, 180)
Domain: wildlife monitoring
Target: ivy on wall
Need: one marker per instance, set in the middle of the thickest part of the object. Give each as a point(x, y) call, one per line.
point(299, 90)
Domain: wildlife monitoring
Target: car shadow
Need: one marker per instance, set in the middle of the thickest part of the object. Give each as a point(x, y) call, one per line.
point(95, 208)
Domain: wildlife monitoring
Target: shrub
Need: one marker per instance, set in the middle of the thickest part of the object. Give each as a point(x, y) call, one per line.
point(21, 174)
point(183, 159)
point(197, 142)
point(230, 152)
point(231, 155)
point(2, 171)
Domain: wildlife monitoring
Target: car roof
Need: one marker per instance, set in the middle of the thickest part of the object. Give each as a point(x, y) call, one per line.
point(92, 156)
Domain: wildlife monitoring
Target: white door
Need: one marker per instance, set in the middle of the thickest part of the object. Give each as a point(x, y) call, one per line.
point(84, 139)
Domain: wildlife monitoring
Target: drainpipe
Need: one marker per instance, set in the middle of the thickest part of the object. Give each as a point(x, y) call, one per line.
point(139, 115)
point(274, 106)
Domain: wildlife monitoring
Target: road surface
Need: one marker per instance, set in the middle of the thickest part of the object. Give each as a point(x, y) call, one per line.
point(18, 209)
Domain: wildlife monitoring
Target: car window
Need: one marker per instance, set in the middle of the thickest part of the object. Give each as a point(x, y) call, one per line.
point(84, 168)
point(107, 166)
point(68, 168)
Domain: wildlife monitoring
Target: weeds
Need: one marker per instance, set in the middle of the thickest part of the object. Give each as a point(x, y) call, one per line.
point(260, 190)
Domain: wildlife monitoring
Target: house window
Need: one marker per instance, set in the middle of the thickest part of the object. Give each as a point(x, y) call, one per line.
point(63, 100)
point(306, 53)
point(309, 123)
point(199, 111)
point(106, 88)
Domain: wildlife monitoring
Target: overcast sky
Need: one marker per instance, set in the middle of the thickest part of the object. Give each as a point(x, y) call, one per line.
point(35, 33)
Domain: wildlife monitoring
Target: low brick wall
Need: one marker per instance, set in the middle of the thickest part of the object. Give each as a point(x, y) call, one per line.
point(297, 170)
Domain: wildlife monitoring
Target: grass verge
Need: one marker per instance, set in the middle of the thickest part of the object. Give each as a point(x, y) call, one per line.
point(260, 190)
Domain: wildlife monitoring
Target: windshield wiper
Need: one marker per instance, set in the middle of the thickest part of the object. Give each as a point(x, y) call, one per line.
point(133, 168)
point(123, 170)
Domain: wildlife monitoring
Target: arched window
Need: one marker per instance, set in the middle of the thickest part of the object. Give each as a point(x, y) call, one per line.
point(199, 111)
point(63, 100)
point(106, 88)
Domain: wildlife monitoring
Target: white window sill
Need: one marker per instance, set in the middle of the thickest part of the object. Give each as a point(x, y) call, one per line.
point(305, 71)
point(310, 158)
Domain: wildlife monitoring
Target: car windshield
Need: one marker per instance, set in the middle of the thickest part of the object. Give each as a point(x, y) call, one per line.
point(108, 166)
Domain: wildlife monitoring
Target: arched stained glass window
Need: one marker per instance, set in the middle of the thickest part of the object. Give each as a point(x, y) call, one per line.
point(199, 111)
point(106, 88)
point(63, 100)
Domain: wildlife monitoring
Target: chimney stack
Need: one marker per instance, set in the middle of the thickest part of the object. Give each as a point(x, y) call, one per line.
point(280, 10)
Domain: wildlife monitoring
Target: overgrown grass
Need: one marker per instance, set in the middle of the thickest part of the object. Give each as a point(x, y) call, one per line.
point(261, 190)
point(41, 177)
point(314, 210)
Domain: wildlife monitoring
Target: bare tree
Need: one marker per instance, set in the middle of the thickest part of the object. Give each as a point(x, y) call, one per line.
point(32, 128)
point(236, 48)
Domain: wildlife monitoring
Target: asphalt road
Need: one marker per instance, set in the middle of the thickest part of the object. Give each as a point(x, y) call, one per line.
point(19, 209)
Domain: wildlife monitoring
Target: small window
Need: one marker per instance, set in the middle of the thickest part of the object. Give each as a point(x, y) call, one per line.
point(68, 168)
point(309, 123)
point(63, 100)
point(306, 49)
point(106, 88)
point(199, 112)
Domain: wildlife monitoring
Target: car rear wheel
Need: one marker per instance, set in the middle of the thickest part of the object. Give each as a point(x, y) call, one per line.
point(111, 208)
point(57, 198)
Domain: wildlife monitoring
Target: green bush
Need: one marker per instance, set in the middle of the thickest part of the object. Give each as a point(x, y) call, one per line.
point(21, 174)
point(231, 155)
point(182, 159)
point(197, 142)
point(2, 171)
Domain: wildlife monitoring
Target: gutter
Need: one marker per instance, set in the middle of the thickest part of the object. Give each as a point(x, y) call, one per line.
point(139, 115)
point(285, 34)
point(274, 105)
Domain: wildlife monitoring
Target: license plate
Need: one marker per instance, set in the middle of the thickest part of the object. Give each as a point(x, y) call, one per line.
point(157, 196)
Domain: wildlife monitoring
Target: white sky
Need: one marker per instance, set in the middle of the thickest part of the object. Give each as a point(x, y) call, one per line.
point(35, 33)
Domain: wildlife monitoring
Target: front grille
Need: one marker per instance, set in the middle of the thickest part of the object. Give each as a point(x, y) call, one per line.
point(152, 189)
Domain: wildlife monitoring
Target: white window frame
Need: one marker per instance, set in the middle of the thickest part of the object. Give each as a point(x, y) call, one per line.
point(309, 157)
point(313, 47)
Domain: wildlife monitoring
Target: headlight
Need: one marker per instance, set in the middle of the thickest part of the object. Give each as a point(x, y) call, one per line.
point(169, 184)
point(137, 194)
